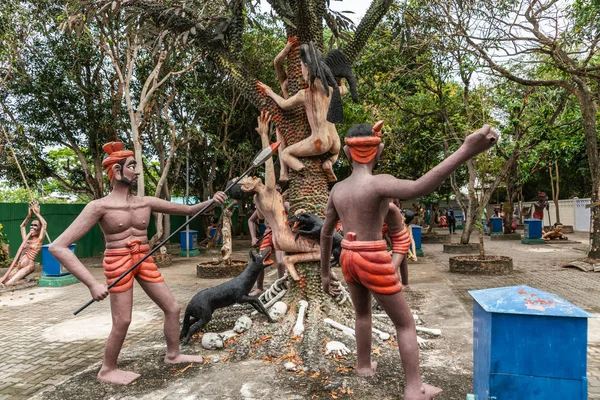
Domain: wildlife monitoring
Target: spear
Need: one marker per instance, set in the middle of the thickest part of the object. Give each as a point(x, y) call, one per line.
point(260, 159)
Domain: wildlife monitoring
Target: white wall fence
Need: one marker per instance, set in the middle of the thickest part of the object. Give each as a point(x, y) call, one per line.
point(572, 212)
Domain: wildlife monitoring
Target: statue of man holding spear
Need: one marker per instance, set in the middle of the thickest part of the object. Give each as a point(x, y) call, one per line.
point(124, 219)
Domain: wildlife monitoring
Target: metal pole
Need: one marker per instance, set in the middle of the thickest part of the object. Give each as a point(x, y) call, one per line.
point(187, 197)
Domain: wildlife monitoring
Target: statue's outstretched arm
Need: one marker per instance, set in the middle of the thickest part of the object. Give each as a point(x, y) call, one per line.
point(475, 143)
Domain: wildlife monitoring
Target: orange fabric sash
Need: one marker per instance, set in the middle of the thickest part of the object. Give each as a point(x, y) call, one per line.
point(369, 264)
point(400, 241)
point(267, 241)
point(363, 148)
point(117, 261)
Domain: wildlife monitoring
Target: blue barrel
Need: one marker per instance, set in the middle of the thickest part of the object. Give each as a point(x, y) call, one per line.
point(459, 221)
point(496, 223)
point(50, 265)
point(191, 243)
point(416, 231)
point(212, 233)
point(528, 344)
point(532, 228)
point(261, 229)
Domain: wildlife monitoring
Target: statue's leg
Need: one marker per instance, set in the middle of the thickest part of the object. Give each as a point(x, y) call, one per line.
point(120, 308)
point(160, 293)
point(279, 263)
point(260, 284)
point(305, 148)
point(20, 274)
point(290, 262)
point(283, 174)
point(397, 309)
point(328, 164)
point(361, 299)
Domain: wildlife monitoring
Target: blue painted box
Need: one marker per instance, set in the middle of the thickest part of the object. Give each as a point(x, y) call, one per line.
point(191, 243)
point(459, 221)
point(532, 228)
point(496, 224)
point(213, 232)
point(416, 232)
point(50, 265)
point(528, 344)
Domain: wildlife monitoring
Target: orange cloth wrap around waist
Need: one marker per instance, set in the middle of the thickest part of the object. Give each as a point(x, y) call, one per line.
point(369, 264)
point(117, 261)
point(363, 148)
point(400, 241)
point(267, 241)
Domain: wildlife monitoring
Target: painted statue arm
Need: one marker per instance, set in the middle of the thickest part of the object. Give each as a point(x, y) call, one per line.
point(475, 143)
point(167, 207)
point(343, 89)
point(331, 218)
point(394, 219)
point(91, 214)
point(412, 250)
point(43, 223)
point(23, 225)
point(252, 225)
point(264, 119)
point(286, 104)
point(278, 63)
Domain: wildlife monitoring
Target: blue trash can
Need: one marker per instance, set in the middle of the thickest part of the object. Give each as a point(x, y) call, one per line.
point(416, 232)
point(212, 233)
point(532, 231)
point(191, 243)
point(262, 228)
point(496, 223)
point(528, 344)
point(459, 221)
point(50, 265)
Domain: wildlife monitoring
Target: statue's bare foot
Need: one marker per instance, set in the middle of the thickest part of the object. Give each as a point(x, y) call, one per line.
point(256, 292)
point(369, 371)
point(328, 168)
point(117, 377)
point(425, 392)
point(181, 358)
point(406, 288)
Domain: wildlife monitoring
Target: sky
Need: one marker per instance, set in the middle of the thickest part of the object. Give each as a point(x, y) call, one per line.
point(359, 7)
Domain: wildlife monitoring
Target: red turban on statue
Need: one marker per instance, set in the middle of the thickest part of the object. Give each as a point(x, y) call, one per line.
point(114, 153)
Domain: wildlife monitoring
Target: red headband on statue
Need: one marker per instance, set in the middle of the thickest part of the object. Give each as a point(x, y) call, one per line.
point(115, 153)
point(364, 148)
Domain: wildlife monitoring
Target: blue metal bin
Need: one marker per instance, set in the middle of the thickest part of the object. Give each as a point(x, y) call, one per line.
point(416, 232)
point(50, 265)
point(191, 243)
point(528, 344)
point(496, 223)
point(532, 228)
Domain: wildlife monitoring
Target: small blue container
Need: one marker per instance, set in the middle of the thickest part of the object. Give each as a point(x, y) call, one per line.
point(50, 265)
point(416, 231)
point(532, 228)
point(262, 228)
point(459, 221)
point(496, 223)
point(213, 232)
point(528, 344)
point(191, 243)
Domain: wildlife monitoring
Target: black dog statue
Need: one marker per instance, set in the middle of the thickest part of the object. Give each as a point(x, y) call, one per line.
point(200, 309)
point(307, 224)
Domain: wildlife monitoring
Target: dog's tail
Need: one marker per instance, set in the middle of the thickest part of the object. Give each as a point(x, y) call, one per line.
point(186, 325)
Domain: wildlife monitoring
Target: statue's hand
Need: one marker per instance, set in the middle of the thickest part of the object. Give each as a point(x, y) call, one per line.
point(327, 287)
point(264, 119)
point(98, 292)
point(34, 206)
point(265, 89)
point(220, 197)
point(481, 140)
